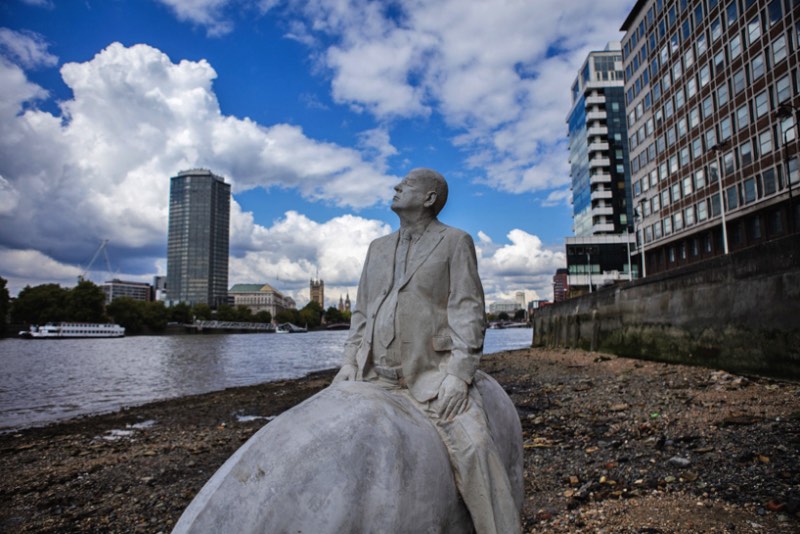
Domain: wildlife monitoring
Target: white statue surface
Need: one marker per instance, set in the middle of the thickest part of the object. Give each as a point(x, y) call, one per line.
point(410, 437)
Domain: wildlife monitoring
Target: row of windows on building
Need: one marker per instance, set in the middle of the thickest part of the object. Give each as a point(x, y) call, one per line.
point(752, 143)
point(725, 87)
point(777, 93)
point(751, 229)
point(756, 187)
point(696, 31)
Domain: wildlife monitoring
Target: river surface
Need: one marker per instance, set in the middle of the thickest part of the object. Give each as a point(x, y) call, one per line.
point(46, 380)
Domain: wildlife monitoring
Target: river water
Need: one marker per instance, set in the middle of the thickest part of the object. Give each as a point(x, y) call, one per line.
point(46, 380)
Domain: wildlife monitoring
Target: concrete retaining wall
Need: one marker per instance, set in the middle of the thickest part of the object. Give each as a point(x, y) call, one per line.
point(739, 312)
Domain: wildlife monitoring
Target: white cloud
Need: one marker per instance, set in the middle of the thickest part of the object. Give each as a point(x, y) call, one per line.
point(522, 264)
point(213, 15)
point(26, 48)
point(498, 72)
point(31, 267)
point(296, 248)
point(101, 170)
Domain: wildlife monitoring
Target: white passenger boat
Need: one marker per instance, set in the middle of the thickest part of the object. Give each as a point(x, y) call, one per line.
point(73, 330)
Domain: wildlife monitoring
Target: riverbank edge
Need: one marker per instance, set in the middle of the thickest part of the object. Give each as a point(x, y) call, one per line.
point(314, 380)
point(601, 437)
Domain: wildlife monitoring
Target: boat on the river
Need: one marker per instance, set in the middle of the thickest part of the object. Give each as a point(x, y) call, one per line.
point(66, 330)
point(289, 328)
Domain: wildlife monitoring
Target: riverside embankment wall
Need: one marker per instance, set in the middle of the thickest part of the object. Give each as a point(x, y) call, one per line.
point(739, 312)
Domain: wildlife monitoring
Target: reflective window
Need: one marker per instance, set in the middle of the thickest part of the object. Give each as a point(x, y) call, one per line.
point(746, 153)
point(765, 142)
point(735, 46)
point(774, 12)
point(725, 129)
point(743, 116)
point(754, 29)
point(700, 179)
point(762, 103)
point(783, 89)
point(716, 30)
point(738, 81)
point(758, 66)
point(778, 49)
point(731, 198)
point(722, 93)
point(708, 107)
point(731, 13)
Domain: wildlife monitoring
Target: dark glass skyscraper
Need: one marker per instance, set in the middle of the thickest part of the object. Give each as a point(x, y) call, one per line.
point(198, 241)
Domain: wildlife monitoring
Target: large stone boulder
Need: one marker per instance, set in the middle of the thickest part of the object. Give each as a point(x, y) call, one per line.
point(353, 458)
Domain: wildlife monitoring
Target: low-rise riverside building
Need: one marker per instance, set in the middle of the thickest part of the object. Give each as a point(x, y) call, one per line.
point(260, 297)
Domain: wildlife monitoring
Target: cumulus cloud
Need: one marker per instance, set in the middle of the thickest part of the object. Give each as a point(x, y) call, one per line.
point(296, 248)
point(522, 264)
point(100, 169)
point(498, 72)
point(26, 48)
point(214, 15)
point(32, 267)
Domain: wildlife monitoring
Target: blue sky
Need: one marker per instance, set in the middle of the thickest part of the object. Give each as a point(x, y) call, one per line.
point(312, 110)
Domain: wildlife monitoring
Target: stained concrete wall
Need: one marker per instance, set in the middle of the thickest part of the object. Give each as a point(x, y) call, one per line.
point(739, 312)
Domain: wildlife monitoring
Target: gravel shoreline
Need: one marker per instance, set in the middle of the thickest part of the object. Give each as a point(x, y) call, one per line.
point(611, 445)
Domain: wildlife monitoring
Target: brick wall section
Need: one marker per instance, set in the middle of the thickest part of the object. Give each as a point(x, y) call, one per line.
point(739, 312)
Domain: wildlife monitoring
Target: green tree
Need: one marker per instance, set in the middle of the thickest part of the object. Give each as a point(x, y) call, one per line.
point(181, 313)
point(202, 312)
point(155, 315)
point(333, 315)
point(226, 313)
point(4, 307)
point(287, 316)
point(311, 315)
point(128, 313)
point(40, 304)
point(519, 315)
point(502, 316)
point(86, 303)
point(243, 314)
point(263, 317)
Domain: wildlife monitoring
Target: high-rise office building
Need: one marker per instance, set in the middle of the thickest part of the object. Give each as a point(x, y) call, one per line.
point(598, 155)
point(711, 92)
point(598, 146)
point(198, 241)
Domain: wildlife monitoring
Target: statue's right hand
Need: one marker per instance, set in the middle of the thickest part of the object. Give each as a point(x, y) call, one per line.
point(347, 372)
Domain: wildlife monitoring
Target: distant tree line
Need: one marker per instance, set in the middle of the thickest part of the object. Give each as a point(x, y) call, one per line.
point(85, 303)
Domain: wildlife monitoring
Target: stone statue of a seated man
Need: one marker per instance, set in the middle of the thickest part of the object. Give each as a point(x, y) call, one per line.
point(418, 329)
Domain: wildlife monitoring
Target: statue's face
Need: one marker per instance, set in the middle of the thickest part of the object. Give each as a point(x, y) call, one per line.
point(410, 193)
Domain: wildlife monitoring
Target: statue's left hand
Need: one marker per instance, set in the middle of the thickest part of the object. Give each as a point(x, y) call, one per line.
point(347, 372)
point(453, 397)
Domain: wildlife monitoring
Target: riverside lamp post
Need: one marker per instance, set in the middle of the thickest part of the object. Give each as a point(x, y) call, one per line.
point(785, 112)
point(628, 242)
point(637, 218)
point(717, 149)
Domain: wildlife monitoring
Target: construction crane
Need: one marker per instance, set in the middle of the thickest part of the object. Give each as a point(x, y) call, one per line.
point(104, 249)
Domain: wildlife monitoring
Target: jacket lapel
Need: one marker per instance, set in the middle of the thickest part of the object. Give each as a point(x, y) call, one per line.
point(434, 233)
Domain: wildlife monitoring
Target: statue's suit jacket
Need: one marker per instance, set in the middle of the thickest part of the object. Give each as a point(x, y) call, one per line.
point(440, 309)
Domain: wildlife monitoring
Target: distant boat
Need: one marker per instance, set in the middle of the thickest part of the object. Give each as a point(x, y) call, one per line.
point(338, 326)
point(73, 330)
point(289, 328)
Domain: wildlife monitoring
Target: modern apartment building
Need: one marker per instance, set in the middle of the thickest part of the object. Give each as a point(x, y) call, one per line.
point(598, 154)
point(711, 101)
point(198, 241)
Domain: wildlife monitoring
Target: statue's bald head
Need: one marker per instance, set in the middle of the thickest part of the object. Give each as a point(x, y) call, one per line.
point(433, 182)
